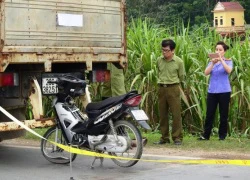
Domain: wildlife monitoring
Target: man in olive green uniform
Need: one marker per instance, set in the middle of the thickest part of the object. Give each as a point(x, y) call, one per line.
point(170, 74)
point(116, 86)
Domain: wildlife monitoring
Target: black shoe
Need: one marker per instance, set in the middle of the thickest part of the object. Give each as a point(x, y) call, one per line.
point(221, 139)
point(178, 143)
point(162, 142)
point(202, 138)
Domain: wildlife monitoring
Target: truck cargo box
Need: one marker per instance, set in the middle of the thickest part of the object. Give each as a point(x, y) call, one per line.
point(62, 31)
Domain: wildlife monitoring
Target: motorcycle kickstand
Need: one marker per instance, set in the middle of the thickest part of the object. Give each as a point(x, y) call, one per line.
point(70, 161)
point(101, 162)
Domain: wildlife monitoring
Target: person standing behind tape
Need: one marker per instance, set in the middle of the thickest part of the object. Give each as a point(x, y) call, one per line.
point(171, 73)
point(219, 92)
point(116, 85)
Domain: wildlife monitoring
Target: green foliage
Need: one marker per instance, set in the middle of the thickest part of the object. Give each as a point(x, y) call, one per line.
point(40, 131)
point(195, 12)
point(28, 110)
point(143, 50)
point(47, 106)
point(144, 38)
point(234, 144)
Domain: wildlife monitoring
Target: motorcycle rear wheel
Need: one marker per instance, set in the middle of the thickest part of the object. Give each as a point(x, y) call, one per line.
point(134, 151)
point(52, 152)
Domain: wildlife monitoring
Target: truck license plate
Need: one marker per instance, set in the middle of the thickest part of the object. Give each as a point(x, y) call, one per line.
point(139, 115)
point(49, 88)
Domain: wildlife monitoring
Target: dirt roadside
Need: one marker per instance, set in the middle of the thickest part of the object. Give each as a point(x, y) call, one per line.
point(164, 151)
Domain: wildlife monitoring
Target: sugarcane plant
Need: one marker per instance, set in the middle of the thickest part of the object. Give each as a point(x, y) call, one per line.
point(193, 46)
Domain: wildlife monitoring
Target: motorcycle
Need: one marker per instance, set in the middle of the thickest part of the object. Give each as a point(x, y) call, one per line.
point(104, 127)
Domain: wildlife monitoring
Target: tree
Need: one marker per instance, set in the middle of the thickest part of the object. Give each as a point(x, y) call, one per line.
point(170, 12)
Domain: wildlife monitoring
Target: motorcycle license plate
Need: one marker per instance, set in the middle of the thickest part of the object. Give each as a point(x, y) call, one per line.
point(49, 88)
point(139, 115)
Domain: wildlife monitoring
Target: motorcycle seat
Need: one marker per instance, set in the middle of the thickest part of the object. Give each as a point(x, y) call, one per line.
point(95, 106)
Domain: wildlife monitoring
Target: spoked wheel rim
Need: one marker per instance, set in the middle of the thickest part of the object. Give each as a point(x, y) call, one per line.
point(134, 150)
point(52, 152)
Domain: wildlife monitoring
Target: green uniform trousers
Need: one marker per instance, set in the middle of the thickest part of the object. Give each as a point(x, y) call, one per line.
point(116, 86)
point(170, 101)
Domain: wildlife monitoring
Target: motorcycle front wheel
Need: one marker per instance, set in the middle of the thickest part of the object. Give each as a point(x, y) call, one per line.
point(133, 135)
point(53, 153)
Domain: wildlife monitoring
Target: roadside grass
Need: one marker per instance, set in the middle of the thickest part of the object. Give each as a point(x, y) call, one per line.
point(241, 144)
point(31, 136)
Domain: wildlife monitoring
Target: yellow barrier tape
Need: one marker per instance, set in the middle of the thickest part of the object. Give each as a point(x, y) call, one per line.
point(200, 161)
point(95, 154)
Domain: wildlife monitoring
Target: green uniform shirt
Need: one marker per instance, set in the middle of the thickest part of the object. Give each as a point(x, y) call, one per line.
point(170, 72)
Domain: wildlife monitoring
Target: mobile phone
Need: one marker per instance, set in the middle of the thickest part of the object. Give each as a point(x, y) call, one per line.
point(213, 55)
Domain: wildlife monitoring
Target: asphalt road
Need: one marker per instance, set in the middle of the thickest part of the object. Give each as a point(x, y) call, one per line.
point(27, 163)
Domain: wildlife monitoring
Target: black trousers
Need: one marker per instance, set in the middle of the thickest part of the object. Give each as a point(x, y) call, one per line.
point(213, 99)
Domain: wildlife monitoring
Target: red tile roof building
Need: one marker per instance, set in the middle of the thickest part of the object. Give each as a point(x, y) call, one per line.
point(231, 6)
point(229, 18)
